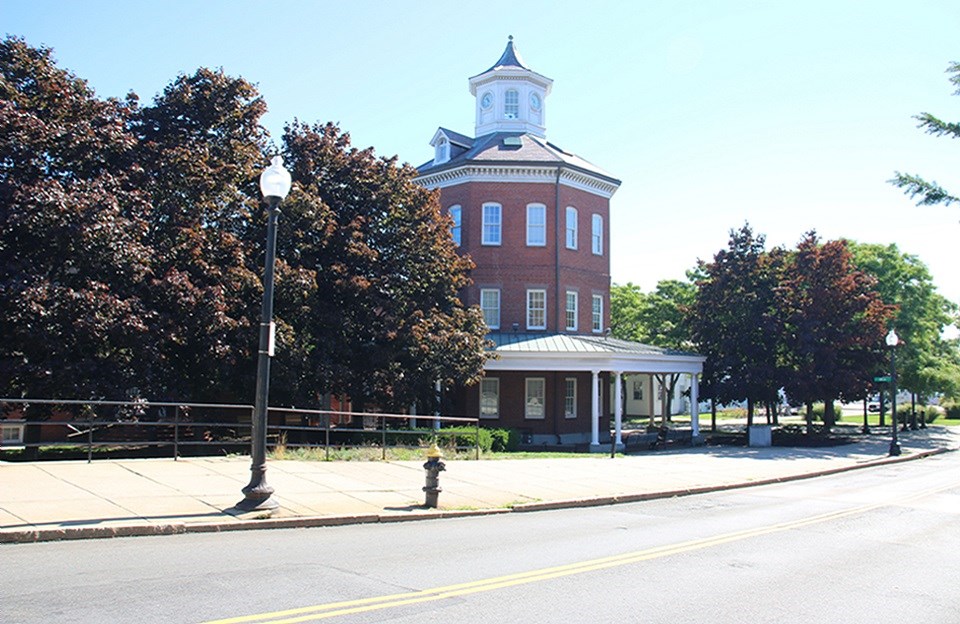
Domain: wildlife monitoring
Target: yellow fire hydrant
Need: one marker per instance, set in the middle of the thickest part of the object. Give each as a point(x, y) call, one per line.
point(433, 468)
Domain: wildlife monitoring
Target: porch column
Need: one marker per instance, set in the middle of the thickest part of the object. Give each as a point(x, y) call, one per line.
point(618, 409)
point(695, 405)
point(595, 408)
point(650, 409)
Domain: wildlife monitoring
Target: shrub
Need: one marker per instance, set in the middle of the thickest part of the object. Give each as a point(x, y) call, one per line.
point(819, 409)
point(464, 437)
point(928, 414)
point(951, 409)
point(505, 440)
point(496, 440)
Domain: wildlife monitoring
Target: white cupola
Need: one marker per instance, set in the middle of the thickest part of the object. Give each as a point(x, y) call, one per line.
point(510, 97)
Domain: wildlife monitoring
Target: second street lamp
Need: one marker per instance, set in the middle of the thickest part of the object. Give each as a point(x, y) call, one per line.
point(258, 495)
point(892, 341)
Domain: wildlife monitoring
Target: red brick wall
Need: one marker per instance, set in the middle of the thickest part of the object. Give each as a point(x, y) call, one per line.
point(512, 399)
point(514, 267)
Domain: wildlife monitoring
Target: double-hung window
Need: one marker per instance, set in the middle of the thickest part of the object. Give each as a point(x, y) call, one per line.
point(570, 397)
point(456, 215)
point(536, 394)
point(536, 309)
point(597, 313)
point(492, 224)
point(596, 235)
point(511, 104)
point(536, 225)
point(489, 397)
point(571, 311)
point(571, 227)
point(490, 305)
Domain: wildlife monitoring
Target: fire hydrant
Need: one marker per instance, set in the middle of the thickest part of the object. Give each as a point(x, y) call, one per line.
point(433, 468)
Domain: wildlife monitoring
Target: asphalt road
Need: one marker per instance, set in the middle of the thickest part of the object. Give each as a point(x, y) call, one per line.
point(877, 545)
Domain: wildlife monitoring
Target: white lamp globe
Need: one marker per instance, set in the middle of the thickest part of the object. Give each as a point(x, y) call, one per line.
point(275, 179)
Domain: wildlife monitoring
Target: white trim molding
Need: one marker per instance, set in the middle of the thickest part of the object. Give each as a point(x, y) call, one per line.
point(530, 174)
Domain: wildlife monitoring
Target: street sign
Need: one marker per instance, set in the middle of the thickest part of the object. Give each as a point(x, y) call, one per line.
point(883, 379)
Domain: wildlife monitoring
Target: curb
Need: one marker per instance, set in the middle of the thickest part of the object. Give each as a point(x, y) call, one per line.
point(304, 522)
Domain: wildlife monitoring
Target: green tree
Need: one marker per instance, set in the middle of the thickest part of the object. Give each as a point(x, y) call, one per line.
point(926, 362)
point(833, 324)
point(377, 274)
point(626, 304)
point(72, 220)
point(734, 321)
point(201, 149)
point(131, 241)
point(930, 193)
point(659, 318)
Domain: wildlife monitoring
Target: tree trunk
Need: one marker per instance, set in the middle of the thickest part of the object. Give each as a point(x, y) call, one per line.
point(749, 412)
point(713, 415)
point(828, 417)
point(809, 407)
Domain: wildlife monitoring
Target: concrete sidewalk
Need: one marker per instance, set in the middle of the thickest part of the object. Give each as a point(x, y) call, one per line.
point(41, 501)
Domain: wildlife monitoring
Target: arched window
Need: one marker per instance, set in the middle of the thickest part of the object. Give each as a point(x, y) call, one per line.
point(456, 214)
point(597, 235)
point(536, 225)
point(571, 227)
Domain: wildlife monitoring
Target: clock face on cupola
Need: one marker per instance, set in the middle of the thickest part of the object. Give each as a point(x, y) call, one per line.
point(510, 96)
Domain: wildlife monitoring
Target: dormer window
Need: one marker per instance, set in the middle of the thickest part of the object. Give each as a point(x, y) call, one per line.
point(442, 153)
point(511, 104)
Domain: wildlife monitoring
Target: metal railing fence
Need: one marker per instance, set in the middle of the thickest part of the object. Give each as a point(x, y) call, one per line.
point(93, 424)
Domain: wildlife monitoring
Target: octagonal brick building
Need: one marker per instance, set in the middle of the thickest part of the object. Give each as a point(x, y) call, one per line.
point(535, 219)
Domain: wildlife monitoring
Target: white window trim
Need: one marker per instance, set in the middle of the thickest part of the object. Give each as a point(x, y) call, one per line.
point(495, 381)
point(456, 230)
point(596, 235)
point(574, 230)
point(572, 413)
point(542, 226)
point(483, 231)
point(596, 319)
point(542, 291)
point(576, 310)
point(14, 440)
point(482, 309)
point(442, 154)
point(542, 382)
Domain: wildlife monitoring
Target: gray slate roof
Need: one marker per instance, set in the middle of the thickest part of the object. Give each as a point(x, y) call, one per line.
point(533, 150)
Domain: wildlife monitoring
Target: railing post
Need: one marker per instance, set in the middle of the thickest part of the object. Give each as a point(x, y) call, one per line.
point(383, 437)
point(477, 440)
point(326, 436)
point(176, 433)
point(90, 439)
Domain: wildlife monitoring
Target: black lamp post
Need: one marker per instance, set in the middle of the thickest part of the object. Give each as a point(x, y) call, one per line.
point(892, 341)
point(258, 495)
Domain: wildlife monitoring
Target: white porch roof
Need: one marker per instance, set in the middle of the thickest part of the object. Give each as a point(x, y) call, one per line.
point(569, 352)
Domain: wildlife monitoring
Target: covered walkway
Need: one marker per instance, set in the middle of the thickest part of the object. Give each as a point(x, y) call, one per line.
point(597, 355)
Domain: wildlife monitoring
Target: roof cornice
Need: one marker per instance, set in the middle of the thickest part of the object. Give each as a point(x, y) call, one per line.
point(520, 173)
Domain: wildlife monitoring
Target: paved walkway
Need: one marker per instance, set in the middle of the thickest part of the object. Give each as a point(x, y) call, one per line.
point(42, 501)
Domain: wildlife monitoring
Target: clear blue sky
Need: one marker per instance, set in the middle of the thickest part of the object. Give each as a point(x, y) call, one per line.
point(789, 115)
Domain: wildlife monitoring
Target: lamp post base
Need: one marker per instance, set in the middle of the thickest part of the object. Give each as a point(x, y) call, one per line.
point(894, 449)
point(257, 495)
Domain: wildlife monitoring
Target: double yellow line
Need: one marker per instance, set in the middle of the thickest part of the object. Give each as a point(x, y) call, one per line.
point(349, 607)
